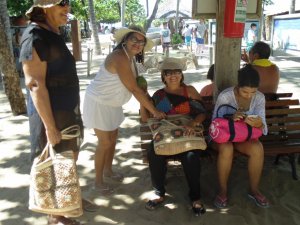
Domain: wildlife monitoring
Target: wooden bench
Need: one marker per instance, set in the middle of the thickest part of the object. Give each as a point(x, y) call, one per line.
point(283, 120)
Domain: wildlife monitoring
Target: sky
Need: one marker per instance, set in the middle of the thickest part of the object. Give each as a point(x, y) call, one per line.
point(152, 2)
point(282, 5)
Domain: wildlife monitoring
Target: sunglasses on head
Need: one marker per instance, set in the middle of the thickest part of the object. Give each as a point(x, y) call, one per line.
point(63, 3)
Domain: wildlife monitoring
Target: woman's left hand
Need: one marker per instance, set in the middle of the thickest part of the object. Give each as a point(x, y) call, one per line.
point(189, 131)
point(159, 115)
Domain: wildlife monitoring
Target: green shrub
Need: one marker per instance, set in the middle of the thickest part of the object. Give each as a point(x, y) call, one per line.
point(176, 39)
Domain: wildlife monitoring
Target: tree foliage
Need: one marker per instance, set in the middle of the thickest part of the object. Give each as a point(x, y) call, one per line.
point(267, 2)
point(17, 8)
point(107, 11)
point(135, 13)
point(80, 8)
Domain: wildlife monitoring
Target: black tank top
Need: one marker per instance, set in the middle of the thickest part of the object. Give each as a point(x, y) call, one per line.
point(61, 76)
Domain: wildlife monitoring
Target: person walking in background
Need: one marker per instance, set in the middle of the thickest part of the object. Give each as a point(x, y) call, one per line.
point(112, 38)
point(200, 35)
point(165, 37)
point(251, 36)
point(269, 73)
point(52, 82)
point(112, 87)
point(106, 30)
point(249, 101)
point(187, 33)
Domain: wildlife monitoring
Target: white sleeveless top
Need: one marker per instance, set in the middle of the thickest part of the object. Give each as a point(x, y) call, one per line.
point(107, 88)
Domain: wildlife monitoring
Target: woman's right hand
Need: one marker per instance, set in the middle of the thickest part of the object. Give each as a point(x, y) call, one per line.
point(159, 115)
point(239, 116)
point(53, 136)
point(244, 56)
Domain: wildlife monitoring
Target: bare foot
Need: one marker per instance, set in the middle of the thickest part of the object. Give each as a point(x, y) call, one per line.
point(103, 189)
point(114, 176)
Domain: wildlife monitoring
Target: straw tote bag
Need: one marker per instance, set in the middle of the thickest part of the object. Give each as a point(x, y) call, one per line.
point(168, 135)
point(54, 186)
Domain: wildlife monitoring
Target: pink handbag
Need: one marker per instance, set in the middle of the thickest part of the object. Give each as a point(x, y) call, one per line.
point(223, 130)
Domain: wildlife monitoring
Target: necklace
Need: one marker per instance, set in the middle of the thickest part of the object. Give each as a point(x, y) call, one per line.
point(130, 59)
point(242, 103)
point(132, 64)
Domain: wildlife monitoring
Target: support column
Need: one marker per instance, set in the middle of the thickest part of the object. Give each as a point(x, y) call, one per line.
point(76, 40)
point(227, 56)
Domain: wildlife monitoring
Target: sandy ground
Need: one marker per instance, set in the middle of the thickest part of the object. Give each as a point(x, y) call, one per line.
point(126, 204)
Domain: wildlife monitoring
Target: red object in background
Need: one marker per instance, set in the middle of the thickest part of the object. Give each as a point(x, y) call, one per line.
point(232, 29)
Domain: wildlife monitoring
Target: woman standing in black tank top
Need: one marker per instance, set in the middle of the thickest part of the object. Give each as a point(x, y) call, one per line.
point(51, 79)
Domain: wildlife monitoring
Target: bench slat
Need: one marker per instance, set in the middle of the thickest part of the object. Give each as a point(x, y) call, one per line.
point(274, 138)
point(277, 103)
point(271, 112)
point(273, 120)
point(285, 127)
point(278, 149)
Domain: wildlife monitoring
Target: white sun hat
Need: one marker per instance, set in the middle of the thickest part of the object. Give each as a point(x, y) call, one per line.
point(121, 32)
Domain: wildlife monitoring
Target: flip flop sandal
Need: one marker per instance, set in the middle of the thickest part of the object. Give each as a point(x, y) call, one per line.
point(198, 208)
point(221, 202)
point(89, 206)
point(152, 205)
point(260, 200)
point(118, 177)
point(104, 190)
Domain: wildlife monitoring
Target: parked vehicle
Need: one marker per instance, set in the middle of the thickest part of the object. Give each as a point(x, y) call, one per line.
point(153, 32)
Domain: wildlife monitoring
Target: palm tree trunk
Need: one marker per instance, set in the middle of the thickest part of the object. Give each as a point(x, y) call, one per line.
point(95, 37)
point(7, 65)
point(152, 17)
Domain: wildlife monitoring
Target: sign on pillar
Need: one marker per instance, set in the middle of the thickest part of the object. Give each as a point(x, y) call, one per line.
point(235, 17)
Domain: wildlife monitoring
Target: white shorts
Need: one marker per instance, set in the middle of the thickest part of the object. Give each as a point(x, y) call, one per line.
point(101, 117)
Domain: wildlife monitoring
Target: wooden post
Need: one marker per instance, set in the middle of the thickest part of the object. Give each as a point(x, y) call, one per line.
point(228, 54)
point(76, 40)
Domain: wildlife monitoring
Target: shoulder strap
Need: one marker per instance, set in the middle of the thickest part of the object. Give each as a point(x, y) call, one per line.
point(185, 92)
point(224, 105)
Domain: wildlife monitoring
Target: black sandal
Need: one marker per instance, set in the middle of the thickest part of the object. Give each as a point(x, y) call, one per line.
point(152, 204)
point(198, 211)
point(54, 220)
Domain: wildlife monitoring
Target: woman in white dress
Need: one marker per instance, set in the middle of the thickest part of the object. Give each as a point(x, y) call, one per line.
point(112, 87)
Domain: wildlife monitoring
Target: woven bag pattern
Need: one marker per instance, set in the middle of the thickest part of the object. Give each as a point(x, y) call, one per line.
point(169, 139)
point(54, 186)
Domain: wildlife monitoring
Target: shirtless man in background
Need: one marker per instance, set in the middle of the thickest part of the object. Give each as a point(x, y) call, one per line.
point(268, 72)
